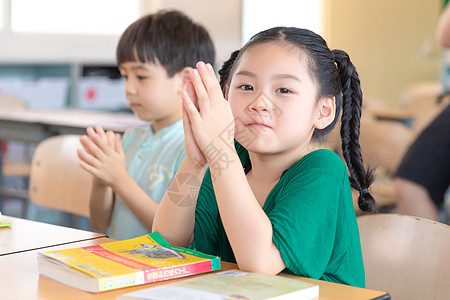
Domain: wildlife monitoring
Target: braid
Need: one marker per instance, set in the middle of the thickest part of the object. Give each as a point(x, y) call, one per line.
point(360, 179)
point(224, 72)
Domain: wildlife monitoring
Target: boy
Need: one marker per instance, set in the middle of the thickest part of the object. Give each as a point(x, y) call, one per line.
point(154, 54)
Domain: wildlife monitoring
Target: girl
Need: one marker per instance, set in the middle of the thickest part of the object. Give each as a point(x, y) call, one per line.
point(267, 201)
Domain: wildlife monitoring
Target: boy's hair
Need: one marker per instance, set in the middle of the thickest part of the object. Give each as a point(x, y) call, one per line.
point(168, 37)
point(335, 76)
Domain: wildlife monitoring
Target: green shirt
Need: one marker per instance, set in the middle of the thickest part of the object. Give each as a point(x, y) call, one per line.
point(312, 215)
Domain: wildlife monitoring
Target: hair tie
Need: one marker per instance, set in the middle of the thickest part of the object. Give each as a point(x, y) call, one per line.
point(364, 192)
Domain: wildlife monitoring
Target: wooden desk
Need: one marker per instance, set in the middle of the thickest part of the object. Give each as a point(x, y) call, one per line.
point(26, 235)
point(19, 279)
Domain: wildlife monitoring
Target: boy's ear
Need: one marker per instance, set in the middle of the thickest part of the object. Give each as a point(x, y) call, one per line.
point(184, 78)
point(226, 92)
point(326, 111)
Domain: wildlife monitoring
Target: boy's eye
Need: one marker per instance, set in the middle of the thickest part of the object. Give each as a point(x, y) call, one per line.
point(246, 87)
point(283, 91)
point(141, 77)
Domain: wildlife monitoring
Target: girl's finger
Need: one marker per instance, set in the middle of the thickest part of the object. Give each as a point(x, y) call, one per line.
point(191, 111)
point(200, 91)
point(191, 92)
point(209, 79)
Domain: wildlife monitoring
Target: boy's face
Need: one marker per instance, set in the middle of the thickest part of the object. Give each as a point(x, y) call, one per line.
point(151, 93)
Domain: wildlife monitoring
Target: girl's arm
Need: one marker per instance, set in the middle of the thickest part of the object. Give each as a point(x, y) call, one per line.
point(103, 157)
point(175, 217)
point(248, 228)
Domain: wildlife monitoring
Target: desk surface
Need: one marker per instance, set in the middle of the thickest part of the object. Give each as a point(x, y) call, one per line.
point(20, 270)
point(25, 235)
point(35, 125)
point(118, 121)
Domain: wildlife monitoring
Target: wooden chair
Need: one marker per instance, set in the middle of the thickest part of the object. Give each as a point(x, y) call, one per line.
point(383, 145)
point(56, 179)
point(421, 99)
point(408, 257)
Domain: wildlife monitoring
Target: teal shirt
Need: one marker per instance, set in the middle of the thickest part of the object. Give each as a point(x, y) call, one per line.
point(152, 160)
point(312, 215)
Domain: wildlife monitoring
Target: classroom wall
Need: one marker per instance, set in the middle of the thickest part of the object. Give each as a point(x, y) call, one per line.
point(221, 18)
point(391, 42)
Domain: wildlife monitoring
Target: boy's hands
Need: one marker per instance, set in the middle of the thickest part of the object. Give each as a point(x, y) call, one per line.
point(209, 124)
point(102, 155)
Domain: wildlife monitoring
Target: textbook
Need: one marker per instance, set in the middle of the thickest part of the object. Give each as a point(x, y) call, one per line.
point(114, 265)
point(229, 285)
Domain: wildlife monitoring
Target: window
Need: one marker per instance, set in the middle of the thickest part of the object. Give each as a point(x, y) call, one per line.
point(105, 17)
point(263, 14)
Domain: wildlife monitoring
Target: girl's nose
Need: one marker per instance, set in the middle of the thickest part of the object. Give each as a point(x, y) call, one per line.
point(262, 103)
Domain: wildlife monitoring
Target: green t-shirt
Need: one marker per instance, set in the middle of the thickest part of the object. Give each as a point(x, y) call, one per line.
point(312, 215)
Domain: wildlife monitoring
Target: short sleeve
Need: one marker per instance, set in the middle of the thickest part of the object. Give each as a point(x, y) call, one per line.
point(304, 215)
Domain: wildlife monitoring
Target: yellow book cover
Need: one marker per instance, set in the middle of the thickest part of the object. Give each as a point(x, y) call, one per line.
point(108, 266)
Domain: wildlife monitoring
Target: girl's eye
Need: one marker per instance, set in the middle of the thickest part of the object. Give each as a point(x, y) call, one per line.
point(141, 77)
point(283, 91)
point(246, 87)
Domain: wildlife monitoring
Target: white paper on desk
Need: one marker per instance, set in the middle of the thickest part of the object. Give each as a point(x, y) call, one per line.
point(168, 292)
point(44, 93)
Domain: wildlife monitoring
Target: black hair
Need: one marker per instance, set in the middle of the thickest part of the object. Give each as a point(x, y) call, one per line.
point(335, 76)
point(168, 37)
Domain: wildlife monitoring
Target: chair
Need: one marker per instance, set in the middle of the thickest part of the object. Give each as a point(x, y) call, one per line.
point(56, 179)
point(383, 145)
point(421, 99)
point(408, 257)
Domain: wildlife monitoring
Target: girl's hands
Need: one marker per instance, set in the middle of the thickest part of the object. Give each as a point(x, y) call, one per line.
point(102, 155)
point(207, 115)
point(192, 149)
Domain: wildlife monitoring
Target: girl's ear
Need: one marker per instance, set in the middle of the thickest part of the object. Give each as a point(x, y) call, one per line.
point(183, 78)
point(326, 111)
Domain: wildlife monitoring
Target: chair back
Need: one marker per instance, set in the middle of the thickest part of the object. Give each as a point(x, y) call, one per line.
point(56, 179)
point(408, 257)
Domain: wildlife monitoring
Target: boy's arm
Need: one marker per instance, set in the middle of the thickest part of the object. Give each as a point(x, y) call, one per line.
point(103, 157)
point(100, 205)
point(175, 216)
point(137, 200)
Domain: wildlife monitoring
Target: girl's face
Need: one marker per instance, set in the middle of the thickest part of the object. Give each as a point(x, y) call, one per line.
point(151, 93)
point(273, 99)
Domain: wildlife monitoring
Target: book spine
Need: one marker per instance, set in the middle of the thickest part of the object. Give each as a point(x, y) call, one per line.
point(177, 271)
